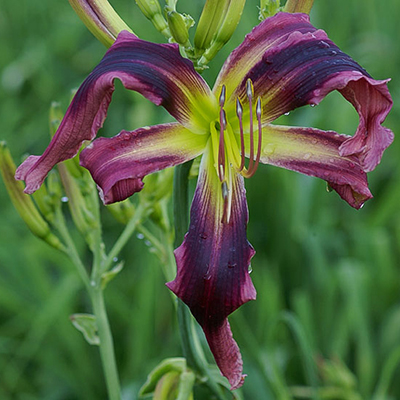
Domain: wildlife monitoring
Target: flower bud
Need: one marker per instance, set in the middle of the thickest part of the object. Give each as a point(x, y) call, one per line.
point(151, 9)
point(209, 23)
point(122, 211)
point(178, 28)
point(100, 18)
point(23, 203)
point(228, 19)
point(171, 379)
point(82, 215)
point(268, 8)
point(299, 6)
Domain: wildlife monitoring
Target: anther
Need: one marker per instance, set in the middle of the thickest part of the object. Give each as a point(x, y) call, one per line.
point(249, 89)
point(222, 96)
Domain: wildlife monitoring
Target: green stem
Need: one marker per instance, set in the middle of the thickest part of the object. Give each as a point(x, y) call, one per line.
point(71, 251)
point(140, 213)
point(96, 295)
point(192, 350)
point(106, 344)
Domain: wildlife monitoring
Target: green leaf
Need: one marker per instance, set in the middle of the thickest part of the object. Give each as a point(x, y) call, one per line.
point(86, 323)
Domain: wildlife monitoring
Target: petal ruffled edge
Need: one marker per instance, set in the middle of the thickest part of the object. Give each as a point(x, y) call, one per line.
point(372, 100)
point(291, 64)
point(213, 260)
point(315, 152)
point(157, 71)
point(119, 164)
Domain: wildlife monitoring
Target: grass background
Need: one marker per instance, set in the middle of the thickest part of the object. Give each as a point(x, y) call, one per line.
point(326, 323)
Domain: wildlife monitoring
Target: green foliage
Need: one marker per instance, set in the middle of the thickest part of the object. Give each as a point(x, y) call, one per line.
point(326, 324)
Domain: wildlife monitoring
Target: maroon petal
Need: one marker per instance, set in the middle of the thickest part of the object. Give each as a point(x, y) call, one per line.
point(213, 260)
point(292, 64)
point(316, 153)
point(157, 71)
point(118, 164)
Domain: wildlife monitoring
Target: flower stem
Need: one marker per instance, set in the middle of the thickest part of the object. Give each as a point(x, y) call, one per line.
point(106, 344)
point(140, 213)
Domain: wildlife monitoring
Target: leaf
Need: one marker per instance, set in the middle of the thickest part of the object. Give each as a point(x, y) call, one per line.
point(86, 323)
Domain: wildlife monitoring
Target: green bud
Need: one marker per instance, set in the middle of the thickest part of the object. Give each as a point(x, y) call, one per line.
point(86, 323)
point(23, 203)
point(176, 365)
point(151, 9)
point(298, 6)
point(81, 213)
point(178, 28)
point(101, 19)
point(167, 387)
point(157, 186)
point(209, 23)
point(268, 8)
point(122, 211)
point(45, 203)
point(229, 19)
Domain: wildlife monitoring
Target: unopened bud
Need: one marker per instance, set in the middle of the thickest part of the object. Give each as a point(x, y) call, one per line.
point(298, 6)
point(101, 19)
point(151, 9)
point(82, 215)
point(268, 8)
point(171, 379)
point(229, 19)
point(23, 203)
point(209, 23)
point(178, 28)
point(122, 211)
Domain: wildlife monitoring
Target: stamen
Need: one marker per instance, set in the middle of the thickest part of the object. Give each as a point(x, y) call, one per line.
point(253, 163)
point(249, 91)
point(239, 113)
point(258, 156)
point(222, 123)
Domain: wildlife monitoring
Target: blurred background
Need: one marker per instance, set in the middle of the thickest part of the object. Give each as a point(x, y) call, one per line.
point(326, 323)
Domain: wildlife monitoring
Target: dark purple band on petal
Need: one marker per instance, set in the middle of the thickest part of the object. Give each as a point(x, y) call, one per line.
point(213, 278)
point(157, 71)
point(299, 65)
point(316, 153)
point(118, 164)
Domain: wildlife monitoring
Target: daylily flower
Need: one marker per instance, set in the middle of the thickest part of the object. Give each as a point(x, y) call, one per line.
point(284, 63)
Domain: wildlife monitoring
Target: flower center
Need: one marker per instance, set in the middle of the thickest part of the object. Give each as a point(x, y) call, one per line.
point(226, 149)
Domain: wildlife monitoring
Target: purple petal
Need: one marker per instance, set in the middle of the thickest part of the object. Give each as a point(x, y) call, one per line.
point(316, 153)
point(157, 71)
point(213, 260)
point(292, 64)
point(118, 164)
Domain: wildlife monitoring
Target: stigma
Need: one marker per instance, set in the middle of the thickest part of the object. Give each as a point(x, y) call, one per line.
point(228, 149)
